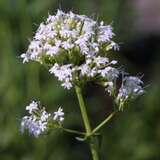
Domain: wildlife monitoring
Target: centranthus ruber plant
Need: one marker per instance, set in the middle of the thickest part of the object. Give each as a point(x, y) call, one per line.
point(75, 49)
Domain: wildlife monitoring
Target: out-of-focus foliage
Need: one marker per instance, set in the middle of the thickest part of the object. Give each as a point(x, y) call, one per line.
point(132, 135)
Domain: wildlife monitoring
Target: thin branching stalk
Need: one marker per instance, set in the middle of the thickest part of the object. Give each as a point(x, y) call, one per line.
point(103, 123)
point(73, 131)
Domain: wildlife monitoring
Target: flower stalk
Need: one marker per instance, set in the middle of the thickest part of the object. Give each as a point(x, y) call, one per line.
point(73, 131)
point(86, 122)
point(103, 123)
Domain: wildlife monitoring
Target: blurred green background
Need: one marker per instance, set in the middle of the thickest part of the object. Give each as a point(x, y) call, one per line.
point(132, 135)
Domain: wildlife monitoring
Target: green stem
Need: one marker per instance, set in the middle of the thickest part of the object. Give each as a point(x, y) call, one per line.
point(103, 123)
point(73, 131)
point(86, 123)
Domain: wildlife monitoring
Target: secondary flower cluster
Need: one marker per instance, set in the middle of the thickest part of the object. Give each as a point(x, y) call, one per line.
point(131, 88)
point(75, 47)
point(39, 120)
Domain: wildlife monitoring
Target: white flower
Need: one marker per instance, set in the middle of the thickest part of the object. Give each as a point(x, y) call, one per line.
point(101, 61)
point(93, 72)
point(40, 34)
point(25, 57)
point(67, 84)
point(62, 72)
point(105, 33)
point(42, 126)
point(110, 73)
point(53, 51)
point(32, 107)
point(65, 33)
point(34, 45)
point(67, 45)
point(95, 47)
point(44, 116)
point(85, 69)
point(59, 115)
point(34, 50)
point(83, 40)
point(88, 26)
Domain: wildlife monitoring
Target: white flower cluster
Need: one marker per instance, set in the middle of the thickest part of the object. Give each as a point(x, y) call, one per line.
point(75, 48)
point(67, 41)
point(38, 120)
